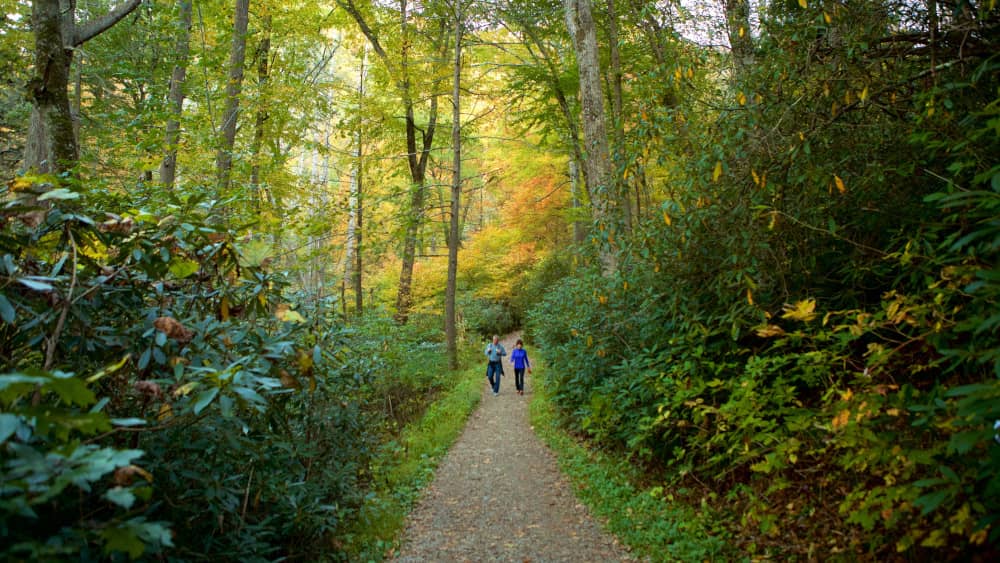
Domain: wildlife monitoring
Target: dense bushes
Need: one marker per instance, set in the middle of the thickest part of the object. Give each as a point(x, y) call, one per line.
point(809, 329)
point(164, 391)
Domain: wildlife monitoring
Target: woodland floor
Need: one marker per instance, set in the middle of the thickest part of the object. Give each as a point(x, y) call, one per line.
point(498, 494)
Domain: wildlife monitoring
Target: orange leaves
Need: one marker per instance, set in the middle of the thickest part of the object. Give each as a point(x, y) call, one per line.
point(173, 329)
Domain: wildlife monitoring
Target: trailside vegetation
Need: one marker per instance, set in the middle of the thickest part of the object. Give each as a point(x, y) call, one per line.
point(803, 330)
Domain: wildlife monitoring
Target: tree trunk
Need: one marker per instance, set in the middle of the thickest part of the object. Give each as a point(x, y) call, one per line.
point(738, 28)
point(617, 111)
point(263, 53)
point(168, 168)
point(603, 197)
point(451, 332)
point(52, 145)
point(579, 229)
point(237, 56)
point(352, 252)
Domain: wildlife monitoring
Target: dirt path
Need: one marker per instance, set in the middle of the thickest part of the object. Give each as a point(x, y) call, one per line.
point(498, 494)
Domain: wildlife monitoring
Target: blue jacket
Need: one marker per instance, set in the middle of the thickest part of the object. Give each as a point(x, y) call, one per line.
point(519, 356)
point(494, 353)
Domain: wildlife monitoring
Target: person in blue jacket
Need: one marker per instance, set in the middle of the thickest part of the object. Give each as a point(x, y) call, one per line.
point(494, 353)
point(519, 357)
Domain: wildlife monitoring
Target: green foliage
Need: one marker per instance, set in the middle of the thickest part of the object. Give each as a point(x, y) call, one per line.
point(811, 320)
point(403, 467)
point(645, 517)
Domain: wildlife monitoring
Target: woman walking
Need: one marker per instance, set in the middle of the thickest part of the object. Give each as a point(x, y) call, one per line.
point(519, 357)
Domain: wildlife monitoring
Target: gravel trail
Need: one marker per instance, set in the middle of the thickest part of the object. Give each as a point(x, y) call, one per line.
point(498, 494)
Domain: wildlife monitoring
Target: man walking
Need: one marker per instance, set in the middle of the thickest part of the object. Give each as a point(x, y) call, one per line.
point(494, 353)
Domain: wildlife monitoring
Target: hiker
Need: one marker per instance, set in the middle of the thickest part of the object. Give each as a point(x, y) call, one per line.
point(494, 353)
point(519, 357)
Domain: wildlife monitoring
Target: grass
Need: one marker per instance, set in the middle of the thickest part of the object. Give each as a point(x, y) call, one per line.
point(644, 518)
point(404, 467)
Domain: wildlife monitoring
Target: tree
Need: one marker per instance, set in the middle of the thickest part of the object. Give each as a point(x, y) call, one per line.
point(168, 168)
point(417, 156)
point(224, 159)
point(597, 162)
point(456, 194)
point(52, 145)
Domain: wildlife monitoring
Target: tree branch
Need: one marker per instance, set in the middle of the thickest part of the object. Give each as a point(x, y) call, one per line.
point(97, 26)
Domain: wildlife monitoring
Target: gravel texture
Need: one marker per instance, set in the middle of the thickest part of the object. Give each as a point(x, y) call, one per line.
point(498, 494)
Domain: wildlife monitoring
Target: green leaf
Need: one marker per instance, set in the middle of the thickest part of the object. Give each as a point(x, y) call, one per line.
point(128, 421)
point(122, 539)
point(35, 284)
point(181, 268)
point(7, 312)
point(9, 424)
point(930, 501)
point(58, 193)
point(121, 496)
point(204, 398)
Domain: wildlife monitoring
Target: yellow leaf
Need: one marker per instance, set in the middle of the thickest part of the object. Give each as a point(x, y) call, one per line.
point(749, 296)
point(590, 341)
point(841, 419)
point(717, 173)
point(826, 90)
point(804, 4)
point(769, 331)
point(864, 94)
point(827, 18)
point(743, 31)
point(625, 286)
point(677, 74)
point(185, 389)
point(165, 412)
point(840, 184)
point(224, 309)
point(690, 73)
point(666, 218)
point(756, 178)
point(804, 310)
point(741, 99)
point(846, 395)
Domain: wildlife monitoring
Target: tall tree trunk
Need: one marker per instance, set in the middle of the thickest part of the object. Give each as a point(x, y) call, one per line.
point(617, 111)
point(168, 168)
point(263, 53)
point(451, 331)
point(738, 28)
point(603, 196)
point(51, 145)
point(237, 57)
point(352, 258)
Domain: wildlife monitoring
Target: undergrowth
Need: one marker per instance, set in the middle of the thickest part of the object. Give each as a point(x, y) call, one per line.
point(644, 517)
point(405, 466)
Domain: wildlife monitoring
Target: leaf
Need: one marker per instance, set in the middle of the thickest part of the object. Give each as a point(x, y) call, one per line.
point(121, 496)
point(58, 193)
point(128, 421)
point(254, 253)
point(717, 173)
point(804, 4)
point(7, 312)
point(122, 539)
point(741, 99)
point(35, 284)
point(204, 398)
point(769, 331)
point(9, 424)
point(181, 268)
point(840, 184)
point(804, 310)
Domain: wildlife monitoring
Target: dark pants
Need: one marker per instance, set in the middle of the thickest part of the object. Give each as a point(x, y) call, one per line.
point(519, 378)
point(493, 372)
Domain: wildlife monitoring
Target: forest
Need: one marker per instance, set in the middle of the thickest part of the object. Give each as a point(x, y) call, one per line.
point(250, 252)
